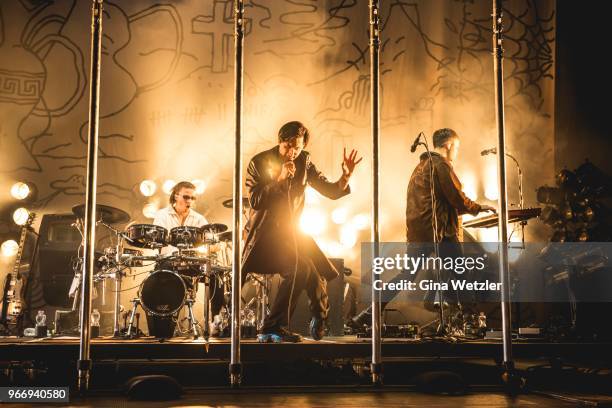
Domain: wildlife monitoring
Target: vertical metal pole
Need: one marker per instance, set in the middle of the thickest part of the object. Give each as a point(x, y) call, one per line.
point(235, 368)
point(84, 363)
point(376, 367)
point(118, 278)
point(503, 193)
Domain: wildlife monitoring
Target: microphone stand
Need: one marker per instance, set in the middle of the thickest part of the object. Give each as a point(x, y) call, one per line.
point(521, 200)
point(441, 329)
point(520, 192)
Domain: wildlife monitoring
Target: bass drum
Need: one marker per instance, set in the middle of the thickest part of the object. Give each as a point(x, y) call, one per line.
point(162, 293)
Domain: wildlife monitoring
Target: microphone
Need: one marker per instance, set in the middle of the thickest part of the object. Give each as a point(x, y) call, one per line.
point(290, 178)
point(492, 150)
point(415, 143)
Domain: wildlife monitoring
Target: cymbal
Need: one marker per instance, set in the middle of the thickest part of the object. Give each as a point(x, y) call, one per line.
point(229, 203)
point(214, 228)
point(225, 236)
point(104, 213)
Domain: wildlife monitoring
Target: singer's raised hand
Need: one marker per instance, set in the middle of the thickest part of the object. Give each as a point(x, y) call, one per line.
point(349, 162)
point(287, 170)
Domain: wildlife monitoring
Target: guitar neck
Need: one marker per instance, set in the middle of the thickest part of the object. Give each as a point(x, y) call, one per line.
point(22, 238)
point(24, 232)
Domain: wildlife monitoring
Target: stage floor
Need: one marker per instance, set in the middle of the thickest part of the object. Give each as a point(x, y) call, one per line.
point(330, 348)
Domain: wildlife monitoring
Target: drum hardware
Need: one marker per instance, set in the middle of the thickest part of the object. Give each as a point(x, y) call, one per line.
point(193, 323)
point(259, 304)
point(133, 314)
point(215, 228)
point(113, 257)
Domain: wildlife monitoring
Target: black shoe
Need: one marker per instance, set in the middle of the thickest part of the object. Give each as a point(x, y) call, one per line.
point(364, 318)
point(277, 335)
point(317, 328)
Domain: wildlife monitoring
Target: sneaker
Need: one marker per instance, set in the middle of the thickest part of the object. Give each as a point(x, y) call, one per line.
point(317, 328)
point(278, 335)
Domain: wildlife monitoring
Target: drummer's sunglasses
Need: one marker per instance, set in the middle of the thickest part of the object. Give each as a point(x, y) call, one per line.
point(188, 197)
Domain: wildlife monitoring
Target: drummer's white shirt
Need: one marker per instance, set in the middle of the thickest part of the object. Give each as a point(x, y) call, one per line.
point(168, 218)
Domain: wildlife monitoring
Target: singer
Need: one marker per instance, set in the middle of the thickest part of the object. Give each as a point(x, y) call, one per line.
point(276, 180)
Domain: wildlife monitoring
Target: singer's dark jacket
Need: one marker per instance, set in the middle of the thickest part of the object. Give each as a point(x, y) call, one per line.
point(451, 201)
point(269, 244)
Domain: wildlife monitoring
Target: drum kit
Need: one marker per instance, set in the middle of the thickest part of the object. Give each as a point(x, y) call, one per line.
point(200, 255)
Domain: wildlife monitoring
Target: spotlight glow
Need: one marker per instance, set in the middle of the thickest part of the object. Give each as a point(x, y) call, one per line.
point(168, 186)
point(20, 191)
point(9, 248)
point(491, 190)
point(335, 250)
point(203, 249)
point(20, 216)
point(200, 186)
point(150, 209)
point(313, 221)
point(148, 188)
point(361, 221)
point(469, 185)
point(312, 197)
point(348, 236)
point(339, 215)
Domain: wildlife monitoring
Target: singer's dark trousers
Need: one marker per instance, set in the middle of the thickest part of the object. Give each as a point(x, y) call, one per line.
point(292, 283)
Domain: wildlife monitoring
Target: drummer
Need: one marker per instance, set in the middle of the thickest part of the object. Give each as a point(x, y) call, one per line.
point(179, 213)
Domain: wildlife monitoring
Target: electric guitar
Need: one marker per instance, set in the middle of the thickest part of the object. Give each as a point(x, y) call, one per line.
point(12, 304)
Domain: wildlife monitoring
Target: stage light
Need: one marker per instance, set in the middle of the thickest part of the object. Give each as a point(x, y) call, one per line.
point(348, 236)
point(20, 190)
point(339, 215)
point(361, 221)
point(168, 186)
point(150, 209)
point(20, 216)
point(200, 186)
point(148, 188)
point(9, 248)
point(313, 221)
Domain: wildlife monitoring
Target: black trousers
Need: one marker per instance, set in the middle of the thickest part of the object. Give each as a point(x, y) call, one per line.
point(449, 247)
point(291, 286)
